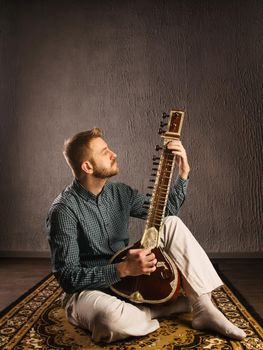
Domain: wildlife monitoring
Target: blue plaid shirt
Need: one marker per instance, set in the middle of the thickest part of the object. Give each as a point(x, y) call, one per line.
point(85, 231)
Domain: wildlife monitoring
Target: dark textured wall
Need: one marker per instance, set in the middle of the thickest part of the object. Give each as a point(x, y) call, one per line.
point(67, 66)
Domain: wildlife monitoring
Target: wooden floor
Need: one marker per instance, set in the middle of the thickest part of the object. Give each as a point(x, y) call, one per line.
point(18, 275)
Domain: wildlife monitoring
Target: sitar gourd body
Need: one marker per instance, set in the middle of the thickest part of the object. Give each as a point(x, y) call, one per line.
point(162, 285)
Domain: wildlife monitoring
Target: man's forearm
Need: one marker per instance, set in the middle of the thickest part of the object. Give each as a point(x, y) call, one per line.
point(80, 278)
point(184, 174)
point(184, 170)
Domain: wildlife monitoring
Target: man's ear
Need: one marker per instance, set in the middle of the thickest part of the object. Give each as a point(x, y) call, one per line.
point(87, 167)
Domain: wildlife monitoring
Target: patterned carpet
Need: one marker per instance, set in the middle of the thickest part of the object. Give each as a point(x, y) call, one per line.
point(37, 321)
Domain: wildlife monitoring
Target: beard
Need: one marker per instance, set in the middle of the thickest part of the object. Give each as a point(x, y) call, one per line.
point(104, 173)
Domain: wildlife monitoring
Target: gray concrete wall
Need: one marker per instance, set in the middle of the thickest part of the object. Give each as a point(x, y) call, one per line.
point(67, 66)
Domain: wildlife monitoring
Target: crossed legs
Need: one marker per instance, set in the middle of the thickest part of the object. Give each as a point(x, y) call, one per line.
point(109, 318)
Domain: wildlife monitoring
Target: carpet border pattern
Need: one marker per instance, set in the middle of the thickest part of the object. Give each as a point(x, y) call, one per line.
point(21, 320)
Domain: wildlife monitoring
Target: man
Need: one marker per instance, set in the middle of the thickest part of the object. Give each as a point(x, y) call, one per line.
point(88, 223)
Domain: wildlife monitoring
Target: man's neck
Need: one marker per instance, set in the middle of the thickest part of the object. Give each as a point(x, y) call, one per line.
point(92, 184)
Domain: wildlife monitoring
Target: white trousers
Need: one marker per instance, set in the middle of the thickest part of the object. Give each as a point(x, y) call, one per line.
point(108, 318)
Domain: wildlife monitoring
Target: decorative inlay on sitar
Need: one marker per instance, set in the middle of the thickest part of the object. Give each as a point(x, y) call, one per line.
point(162, 285)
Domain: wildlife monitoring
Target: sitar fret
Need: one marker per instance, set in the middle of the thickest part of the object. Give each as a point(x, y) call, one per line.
point(160, 192)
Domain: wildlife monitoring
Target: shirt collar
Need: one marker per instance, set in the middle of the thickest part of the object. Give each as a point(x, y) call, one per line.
point(85, 194)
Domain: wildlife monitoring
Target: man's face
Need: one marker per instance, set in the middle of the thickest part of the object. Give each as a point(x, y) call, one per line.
point(103, 159)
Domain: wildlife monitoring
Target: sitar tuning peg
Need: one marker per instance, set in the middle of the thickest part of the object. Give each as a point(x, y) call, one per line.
point(162, 124)
point(158, 148)
point(146, 204)
point(156, 158)
point(161, 131)
point(165, 115)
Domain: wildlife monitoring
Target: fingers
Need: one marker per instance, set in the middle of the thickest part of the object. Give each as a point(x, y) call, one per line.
point(148, 261)
point(177, 148)
point(143, 255)
point(175, 145)
point(143, 260)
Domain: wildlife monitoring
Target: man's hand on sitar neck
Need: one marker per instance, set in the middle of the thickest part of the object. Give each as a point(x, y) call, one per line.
point(181, 158)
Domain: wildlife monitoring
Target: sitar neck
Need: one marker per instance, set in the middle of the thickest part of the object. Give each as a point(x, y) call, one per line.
point(160, 193)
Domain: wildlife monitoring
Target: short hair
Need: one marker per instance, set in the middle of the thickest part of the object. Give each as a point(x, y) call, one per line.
point(76, 149)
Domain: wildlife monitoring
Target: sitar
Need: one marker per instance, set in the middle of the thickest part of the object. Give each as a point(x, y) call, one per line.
point(162, 285)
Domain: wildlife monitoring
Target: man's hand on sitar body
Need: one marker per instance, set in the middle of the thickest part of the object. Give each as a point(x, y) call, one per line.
point(181, 158)
point(137, 262)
